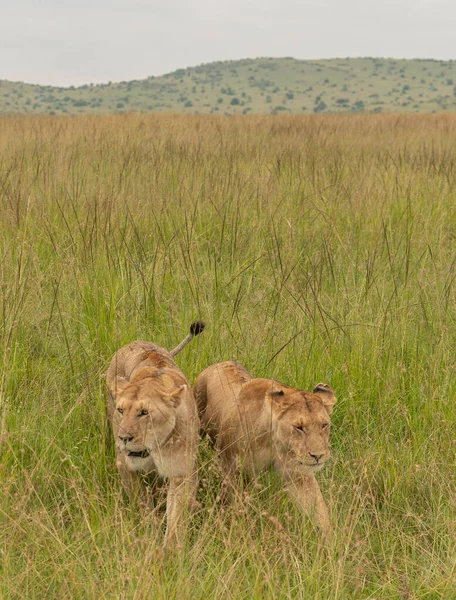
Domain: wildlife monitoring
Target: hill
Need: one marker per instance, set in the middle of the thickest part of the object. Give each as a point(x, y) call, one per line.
point(263, 85)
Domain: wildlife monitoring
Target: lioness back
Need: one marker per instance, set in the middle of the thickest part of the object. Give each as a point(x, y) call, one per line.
point(219, 381)
point(127, 359)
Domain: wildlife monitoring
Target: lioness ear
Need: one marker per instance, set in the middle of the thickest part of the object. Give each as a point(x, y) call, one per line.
point(273, 392)
point(277, 400)
point(118, 386)
point(174, 399)
point(326, 395)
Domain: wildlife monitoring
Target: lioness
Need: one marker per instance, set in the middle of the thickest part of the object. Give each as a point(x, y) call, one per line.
point(258, 423)
point(155, 424)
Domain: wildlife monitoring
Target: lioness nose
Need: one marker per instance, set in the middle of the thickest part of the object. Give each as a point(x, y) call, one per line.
point(316, 456)
point(125, 438)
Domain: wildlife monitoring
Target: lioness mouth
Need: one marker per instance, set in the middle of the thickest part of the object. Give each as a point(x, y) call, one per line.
point(142, 454)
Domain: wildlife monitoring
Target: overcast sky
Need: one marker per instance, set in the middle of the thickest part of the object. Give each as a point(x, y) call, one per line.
point(63, 42)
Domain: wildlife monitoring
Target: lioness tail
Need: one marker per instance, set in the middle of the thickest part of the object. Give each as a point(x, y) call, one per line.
point(195, 329)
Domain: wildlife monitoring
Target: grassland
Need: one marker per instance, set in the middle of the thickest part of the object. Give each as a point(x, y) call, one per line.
point(259, 86)
point(318, 248)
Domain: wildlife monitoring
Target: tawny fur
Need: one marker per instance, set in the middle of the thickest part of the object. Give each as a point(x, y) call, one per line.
point(258, 423)
point(153, 415)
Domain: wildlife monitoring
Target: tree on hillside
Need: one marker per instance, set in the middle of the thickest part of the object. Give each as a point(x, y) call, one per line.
point(358, 106)
point(320, 106)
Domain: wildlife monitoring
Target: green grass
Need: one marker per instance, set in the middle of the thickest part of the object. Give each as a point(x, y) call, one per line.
point(316, 249)
point(258, 86)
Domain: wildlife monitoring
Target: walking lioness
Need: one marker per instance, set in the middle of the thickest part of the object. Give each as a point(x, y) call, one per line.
point(155, 424)
point(258, 423)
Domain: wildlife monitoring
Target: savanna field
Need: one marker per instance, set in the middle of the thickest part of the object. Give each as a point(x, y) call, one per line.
point(318, 248)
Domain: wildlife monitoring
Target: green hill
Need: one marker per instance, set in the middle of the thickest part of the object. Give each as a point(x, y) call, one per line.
point(263, 85)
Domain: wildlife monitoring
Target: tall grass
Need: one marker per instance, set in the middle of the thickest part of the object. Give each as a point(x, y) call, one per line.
point(316, 249)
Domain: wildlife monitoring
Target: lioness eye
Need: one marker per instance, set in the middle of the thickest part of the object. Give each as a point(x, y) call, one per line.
point(120, 410)
point(324, 425)
point(143, 412)
point(299, 428)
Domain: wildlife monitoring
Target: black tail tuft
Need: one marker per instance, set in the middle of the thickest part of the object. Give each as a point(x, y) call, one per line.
point(197, 327)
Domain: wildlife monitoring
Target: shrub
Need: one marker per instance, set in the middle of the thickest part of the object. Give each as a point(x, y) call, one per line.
point(358, 106)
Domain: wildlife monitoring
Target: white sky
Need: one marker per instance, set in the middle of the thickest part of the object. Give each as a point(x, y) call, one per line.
point(68, 42)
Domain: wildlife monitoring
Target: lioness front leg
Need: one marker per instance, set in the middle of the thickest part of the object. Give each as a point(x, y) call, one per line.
point(307, 494)
point(180, 502)
point(231, 476)
point(134, 486)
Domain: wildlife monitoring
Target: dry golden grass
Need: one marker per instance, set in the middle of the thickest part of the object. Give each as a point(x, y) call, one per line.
point(317, 249)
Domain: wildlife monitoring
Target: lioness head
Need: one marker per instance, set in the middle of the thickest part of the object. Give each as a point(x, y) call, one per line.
point(301, 426)
point(144, 418)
